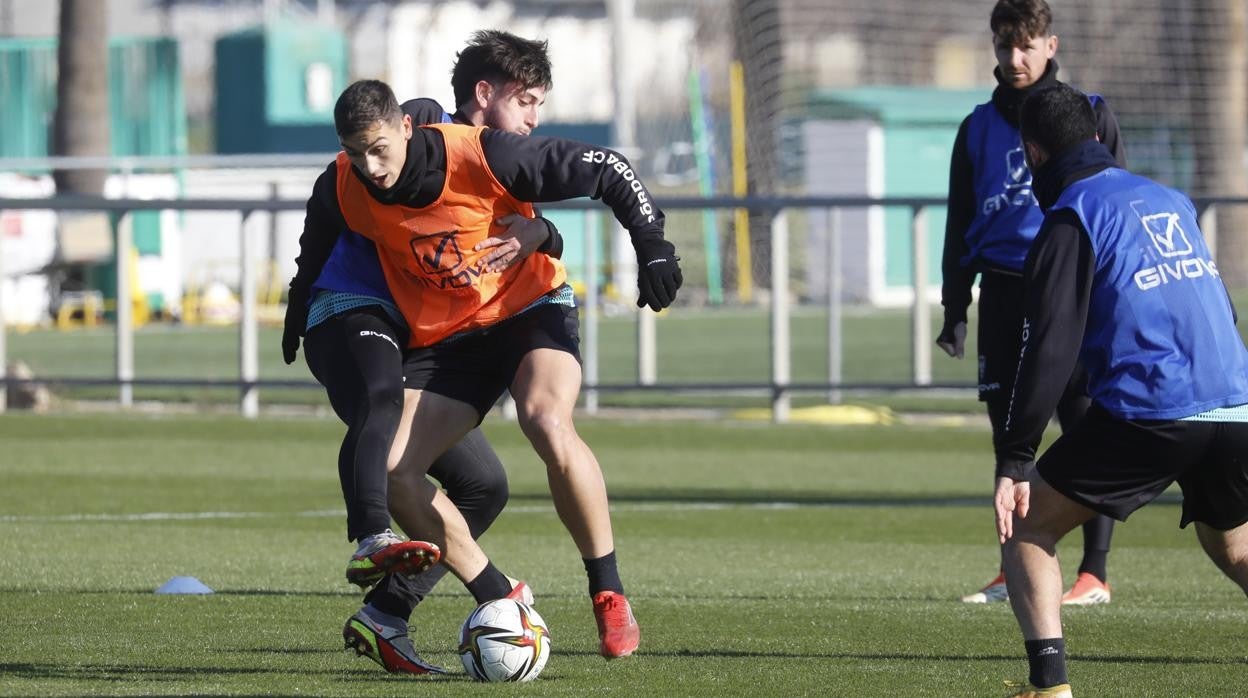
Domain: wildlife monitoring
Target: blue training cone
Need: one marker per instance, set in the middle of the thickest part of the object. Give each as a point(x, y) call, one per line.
point(184, 585)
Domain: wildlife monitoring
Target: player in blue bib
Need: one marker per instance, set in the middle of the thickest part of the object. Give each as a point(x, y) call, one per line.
point(1119, 278)
point(992, 220)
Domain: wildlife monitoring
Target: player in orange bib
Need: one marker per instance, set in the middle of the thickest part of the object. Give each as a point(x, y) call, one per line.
point(442, 284)
point(427, 197)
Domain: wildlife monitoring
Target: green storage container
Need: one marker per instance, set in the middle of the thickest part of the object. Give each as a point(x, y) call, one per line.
point(146, 107)
point(276, 86)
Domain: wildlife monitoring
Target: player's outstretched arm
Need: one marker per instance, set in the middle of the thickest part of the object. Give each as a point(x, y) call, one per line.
point(537, 168)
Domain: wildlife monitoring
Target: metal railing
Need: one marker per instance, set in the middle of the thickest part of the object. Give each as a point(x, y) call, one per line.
point(780, 388)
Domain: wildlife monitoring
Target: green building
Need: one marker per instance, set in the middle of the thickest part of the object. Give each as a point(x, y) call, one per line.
point(276, 86)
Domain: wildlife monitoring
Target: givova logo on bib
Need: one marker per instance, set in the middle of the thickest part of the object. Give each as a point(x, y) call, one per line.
point(1170, 240)
point(1016, 189)
point(1165, 230)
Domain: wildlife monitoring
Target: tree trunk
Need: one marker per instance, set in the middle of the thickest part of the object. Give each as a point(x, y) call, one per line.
point(1219, 123)
point(81, 124)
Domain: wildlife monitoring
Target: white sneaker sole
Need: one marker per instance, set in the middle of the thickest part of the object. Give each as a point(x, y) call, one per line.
point(1092, 598)
point(992, 594)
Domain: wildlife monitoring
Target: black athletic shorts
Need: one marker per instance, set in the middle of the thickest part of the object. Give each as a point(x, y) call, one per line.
point(1115, 466)
point(478, 367)
point(999, 341)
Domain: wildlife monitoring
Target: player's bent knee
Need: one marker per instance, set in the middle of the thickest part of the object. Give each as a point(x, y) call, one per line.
point(1043, 534)
point(387, 397)
point(550, 425)
point(406, 482)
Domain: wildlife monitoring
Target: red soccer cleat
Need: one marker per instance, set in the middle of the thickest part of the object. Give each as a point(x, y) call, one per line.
point(520, 591)
point(386, 553)
point(618, 632)
point(1087, 591)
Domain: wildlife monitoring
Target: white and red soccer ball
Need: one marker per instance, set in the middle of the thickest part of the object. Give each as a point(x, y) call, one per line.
point(504, 640)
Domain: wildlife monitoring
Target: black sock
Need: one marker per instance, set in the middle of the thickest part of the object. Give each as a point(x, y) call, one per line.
point(393, 595)
point(1096, 535)
point(1047, 659)
point(1094, 562)
point(603, 574)
point(489, 585)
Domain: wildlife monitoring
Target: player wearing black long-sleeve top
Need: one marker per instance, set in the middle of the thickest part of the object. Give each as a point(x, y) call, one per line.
point(992, 218)
point(352, 346)
point(427, 197)
point(958, 276)
point(531, 168)
point(1119, 276)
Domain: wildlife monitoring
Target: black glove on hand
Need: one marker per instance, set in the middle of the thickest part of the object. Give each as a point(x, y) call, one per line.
point(295, 324)
point(658, 273)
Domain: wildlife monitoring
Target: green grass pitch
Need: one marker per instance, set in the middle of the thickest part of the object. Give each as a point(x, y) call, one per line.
point(761, 560)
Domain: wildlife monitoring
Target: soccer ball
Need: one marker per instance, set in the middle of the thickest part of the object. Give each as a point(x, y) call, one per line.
point(504, 640)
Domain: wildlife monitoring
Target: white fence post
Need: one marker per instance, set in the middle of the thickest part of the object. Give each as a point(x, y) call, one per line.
point(921, 312)
point(4, 329)
point(125, 307)
point(780, 345)
point(590, 316)
point(248, 358)
point(832, 222)
point(1208, 222)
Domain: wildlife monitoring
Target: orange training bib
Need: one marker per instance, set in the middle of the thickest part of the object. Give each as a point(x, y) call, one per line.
point(438, 281)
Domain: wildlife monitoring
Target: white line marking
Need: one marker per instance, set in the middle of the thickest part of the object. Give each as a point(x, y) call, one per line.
point(327, 513)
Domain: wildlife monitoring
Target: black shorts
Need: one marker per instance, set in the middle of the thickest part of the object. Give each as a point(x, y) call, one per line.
point(1115, 466)
point(999, 342)
point(477, 368)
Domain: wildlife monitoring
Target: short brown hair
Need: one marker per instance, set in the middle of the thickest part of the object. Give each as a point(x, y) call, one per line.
point(1021, 21)
point(499, 57)
point(363, 104)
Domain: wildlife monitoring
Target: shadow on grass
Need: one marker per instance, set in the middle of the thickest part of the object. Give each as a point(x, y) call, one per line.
point(141, 672)
point(288, 592)
point(220, 592)
point(911, 657)
point(131, 672)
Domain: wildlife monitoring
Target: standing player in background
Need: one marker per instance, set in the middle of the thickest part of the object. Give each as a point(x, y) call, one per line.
point(1119, 277)
point(991, 222)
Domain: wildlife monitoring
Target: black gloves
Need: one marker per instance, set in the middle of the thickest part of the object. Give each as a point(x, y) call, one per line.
point(658, 274)
point(295, 324)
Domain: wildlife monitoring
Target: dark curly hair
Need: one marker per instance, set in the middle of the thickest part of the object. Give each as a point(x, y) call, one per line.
point(499, 57)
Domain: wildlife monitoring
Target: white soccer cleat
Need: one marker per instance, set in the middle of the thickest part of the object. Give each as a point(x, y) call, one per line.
point(993, 591)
